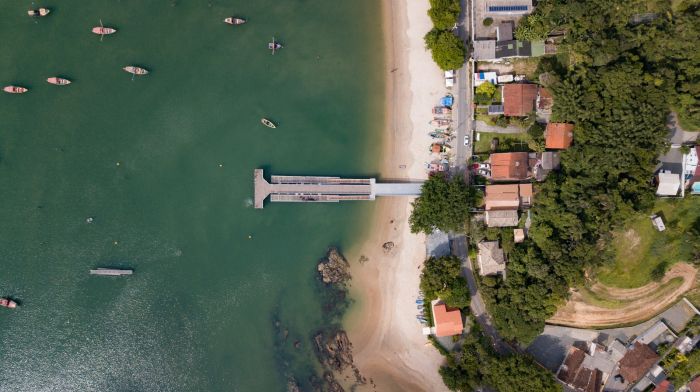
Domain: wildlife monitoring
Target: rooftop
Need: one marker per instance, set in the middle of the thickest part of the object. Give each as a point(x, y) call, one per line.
point(513, 48)
point(509, 166)
point(694, 386)
point(574, 373)
point(448, 322)
point(484, 49)
point(519, 99)
point(637, 361)
point(669, 183)
point(490, 258)
point(559, 135)
point(501, 218)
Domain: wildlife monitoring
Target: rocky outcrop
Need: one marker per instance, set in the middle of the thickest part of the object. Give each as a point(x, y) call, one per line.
point(334, 269)
point(335, 353)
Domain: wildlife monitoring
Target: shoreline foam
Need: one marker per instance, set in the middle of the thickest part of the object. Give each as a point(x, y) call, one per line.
point(389, 348)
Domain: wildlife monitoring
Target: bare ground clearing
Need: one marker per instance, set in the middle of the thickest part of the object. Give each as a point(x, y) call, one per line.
point(636, 305)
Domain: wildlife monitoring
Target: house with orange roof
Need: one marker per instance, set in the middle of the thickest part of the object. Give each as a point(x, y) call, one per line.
point(559, 136)
point(510, 166)
point(448, 322)
point(519, 99)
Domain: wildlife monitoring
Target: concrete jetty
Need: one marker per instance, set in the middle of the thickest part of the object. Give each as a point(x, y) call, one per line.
point(305, 189)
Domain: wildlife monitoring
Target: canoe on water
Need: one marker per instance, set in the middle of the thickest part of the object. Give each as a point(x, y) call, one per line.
point(132, 69)
point(268, 123)
point(234, 21)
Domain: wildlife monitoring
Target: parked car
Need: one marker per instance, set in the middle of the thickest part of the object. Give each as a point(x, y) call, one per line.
point(474, 166)
point(486, 166)
point(466, 140)
point(484, 172)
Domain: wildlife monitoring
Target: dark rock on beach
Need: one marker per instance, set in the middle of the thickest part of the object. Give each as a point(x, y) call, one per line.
point(334, 268)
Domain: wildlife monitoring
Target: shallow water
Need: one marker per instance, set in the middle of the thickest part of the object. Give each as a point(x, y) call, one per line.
point(164, 165)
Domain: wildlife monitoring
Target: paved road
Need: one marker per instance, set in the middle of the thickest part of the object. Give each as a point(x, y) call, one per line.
point(477, 306)
point(463, 98)
point(483, 127)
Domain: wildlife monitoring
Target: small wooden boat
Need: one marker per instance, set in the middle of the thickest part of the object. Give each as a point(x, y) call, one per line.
point(15, 90)
point(134, 70)
point(40, 12)
point(58, 81)
point(8, 303)
point(234, 21)
point(101, 30)
point(268, 123)
point(274, 45)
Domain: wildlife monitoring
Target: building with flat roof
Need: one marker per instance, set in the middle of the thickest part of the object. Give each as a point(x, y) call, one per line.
point(448, 322)
point(484, 49)
point(501, 218)
point(504, 32)
point(669, 183)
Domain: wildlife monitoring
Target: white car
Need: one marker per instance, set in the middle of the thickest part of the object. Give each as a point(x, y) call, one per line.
point(486, 166)
point(466, 140)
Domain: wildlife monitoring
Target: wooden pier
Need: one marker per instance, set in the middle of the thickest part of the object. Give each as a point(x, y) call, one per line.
point(306, 189)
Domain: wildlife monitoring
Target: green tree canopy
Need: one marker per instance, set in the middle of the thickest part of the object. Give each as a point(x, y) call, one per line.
point(443, 204)
point(444, 13)
point(442, 278)
point(447, 49)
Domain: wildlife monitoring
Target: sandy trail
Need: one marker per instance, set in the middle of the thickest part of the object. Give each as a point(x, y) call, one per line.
point(638, 304)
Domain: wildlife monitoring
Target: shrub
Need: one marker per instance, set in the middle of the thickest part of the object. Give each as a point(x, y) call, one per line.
point(488, 22)
point(444, 13)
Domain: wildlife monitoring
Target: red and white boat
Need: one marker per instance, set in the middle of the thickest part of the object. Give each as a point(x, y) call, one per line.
point(15, 89)
point(8, 303)
point(40, 12)
point(134, 70)
point(102, 30)
point(58, 81)
point(234, 21)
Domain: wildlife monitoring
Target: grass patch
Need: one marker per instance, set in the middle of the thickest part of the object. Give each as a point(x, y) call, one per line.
point(687, 124)
point(593, 298)
point(526, 66)
point(506, 142)
point(639, 248)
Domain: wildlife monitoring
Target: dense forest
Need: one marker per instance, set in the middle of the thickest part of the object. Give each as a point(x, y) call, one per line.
point(622, 67)
point(476, 364)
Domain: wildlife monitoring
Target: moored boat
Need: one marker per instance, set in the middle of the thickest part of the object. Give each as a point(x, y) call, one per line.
point(15, 89)
point(8, 303)
point(274, 45)
point(111, 271)
point(268, 123)
point(39, 12)
point(234, 21)
point(101, 30)
point(132, 69)
point(58, 81)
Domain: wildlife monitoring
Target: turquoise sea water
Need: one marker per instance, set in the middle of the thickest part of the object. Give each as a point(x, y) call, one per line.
point(143, 158)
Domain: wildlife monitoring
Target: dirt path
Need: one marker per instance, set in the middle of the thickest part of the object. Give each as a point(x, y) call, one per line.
point(637, 305)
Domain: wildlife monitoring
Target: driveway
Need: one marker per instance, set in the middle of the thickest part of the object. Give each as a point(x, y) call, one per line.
point(676, 134)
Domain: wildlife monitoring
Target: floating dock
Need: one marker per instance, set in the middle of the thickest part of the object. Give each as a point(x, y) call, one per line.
point(305, 189)
point(111, 272)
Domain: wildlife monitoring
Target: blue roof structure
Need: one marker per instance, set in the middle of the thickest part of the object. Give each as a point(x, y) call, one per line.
point(507, 8)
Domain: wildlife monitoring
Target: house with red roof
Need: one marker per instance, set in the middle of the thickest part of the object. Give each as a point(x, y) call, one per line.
point(448, 322)
point(519, 99)
point(559, 136)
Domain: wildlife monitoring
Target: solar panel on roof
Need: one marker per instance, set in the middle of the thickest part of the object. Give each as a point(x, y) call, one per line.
point(507, 8)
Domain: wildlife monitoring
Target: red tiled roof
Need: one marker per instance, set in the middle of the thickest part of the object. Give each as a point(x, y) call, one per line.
point(694, 385)
point(519, 99)
point(637, 361)
point(448, 322)
point(559, 135)
point(662, 387)
point(574, 374)
point(509, 166)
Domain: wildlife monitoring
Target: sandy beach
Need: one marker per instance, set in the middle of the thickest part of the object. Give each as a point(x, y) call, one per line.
point(389, 347)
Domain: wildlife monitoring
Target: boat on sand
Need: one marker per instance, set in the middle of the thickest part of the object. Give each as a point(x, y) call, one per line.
point(268, 123)
point(274, 45)
point(8, 303)
point(39, 12)
point(58, 81)
point(134, 70)
point(234, 21)
point(15, 89)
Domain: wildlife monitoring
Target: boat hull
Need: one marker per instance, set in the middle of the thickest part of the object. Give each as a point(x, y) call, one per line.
point(234, 21)
point(8, 303)
point(135, 70)
point(103, 30)
point(15, 90)
point(268, 123)
point(58, 81)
